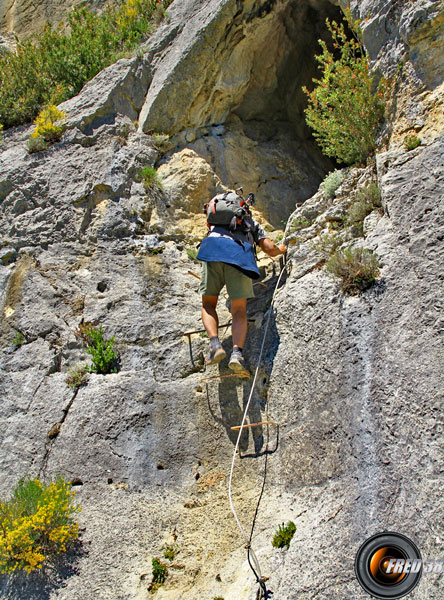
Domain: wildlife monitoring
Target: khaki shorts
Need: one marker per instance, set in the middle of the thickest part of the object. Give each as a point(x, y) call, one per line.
point(217, 274)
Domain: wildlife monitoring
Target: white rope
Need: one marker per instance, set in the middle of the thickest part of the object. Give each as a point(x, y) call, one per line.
point(233, 510)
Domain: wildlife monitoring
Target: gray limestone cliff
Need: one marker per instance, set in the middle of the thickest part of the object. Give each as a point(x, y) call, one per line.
point(355, 382)
point(22, 17)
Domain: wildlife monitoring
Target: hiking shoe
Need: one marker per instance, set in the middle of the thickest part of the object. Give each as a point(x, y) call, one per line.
point(217, 353)
point(237, 364)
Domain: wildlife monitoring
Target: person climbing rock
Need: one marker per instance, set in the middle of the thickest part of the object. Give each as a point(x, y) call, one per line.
point(228, 258)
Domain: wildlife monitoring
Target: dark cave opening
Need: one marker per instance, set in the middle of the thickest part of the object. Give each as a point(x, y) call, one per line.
point(261, 141)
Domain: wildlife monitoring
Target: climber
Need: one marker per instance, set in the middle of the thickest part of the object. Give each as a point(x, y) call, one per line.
point(228, 258)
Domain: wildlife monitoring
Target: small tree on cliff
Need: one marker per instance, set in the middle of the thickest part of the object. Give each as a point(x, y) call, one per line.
point(343, 110)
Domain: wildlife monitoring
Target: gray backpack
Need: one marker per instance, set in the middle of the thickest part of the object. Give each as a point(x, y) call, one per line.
point(226, 210)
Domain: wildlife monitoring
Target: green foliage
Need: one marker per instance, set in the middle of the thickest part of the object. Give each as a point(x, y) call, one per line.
point(371, 194)
point(368, 198)
point(37, 145)
point(169, 551)
point(343, 110)
point(19, 339)
point(104, 357)
point(160, 140)
point(158, 250)
point(1, 129)
point(149, 177)
point(356, 215)
point(55, 64)
point(338, 223)
point(411, 142)
point(358, 269)
point(192, 254)
point(326, 244)
point(36, 524)
point(78, 376)
point(284, 535)
point(160, 573)
point(299, 223)
point(331, 183)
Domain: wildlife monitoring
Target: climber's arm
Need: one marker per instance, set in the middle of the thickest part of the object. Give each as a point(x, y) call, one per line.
point(270, 247)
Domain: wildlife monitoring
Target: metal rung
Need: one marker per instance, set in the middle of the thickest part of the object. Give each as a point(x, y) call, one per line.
point(237, 427)
point(205, 379)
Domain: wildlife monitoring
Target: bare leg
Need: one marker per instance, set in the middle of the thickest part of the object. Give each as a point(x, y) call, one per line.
point(210, 319)
point(239, 323)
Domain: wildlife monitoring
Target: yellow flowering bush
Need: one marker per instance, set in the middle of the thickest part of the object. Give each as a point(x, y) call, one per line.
point(54, 64)
point(45, 123)
point(36, 524)
point(49, 128)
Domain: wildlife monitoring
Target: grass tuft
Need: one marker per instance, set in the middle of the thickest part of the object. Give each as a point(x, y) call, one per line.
point(284, 535)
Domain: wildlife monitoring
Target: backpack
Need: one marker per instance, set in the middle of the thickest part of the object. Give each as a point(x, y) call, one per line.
point(226, 210)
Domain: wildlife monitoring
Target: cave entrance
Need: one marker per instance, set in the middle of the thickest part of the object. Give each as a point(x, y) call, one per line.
point(246, 115)
point(264, 144)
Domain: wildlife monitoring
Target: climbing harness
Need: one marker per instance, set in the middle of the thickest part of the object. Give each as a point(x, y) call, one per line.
point(262, 592)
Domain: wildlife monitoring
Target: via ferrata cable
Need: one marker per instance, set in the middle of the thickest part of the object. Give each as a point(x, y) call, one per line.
point(256, 568)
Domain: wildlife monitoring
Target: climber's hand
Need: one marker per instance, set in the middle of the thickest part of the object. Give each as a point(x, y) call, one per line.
point(270, 247)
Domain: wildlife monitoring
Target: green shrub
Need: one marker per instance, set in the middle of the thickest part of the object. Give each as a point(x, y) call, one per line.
point(358, 211)
point(160, 140)
point(358, 269)
point(19, 339)
point(326, 244)
point(37, 145)
point(372, 194)
point(338, 223)
point(55, 64)
point(411, 142)
point(368, 199)
point(299, 223)
point(343, 110)
point(284, 535)
point(78, 376)
point(160, 573)
point(104, 358)
point(36, 524)
point(1, 129)
point(331, 183)
point(149, 177)
point(192, 254)
point(154, 251)
point(169, 551)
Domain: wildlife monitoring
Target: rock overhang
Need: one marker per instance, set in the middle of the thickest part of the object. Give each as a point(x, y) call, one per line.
point(231, 90)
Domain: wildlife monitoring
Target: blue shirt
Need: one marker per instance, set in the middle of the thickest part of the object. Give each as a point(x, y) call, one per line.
point(233, 248)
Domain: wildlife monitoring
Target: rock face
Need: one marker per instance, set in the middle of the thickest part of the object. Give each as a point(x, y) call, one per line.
point(23, 17)
point(234, 96)
point(355, 383)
